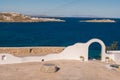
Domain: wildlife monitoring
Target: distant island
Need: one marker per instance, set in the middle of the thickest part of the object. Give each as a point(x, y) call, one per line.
point(16, 17)
point(100, 20)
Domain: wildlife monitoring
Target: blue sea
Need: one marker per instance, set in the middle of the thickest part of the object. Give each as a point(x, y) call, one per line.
point(57, 33)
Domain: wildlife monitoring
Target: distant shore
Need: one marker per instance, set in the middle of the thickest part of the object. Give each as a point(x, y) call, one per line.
point(16, 17)
point(101, 20)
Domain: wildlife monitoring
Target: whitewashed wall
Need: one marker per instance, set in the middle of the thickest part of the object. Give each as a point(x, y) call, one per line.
point(70, 53)
point(9, 59)
point(115, 55)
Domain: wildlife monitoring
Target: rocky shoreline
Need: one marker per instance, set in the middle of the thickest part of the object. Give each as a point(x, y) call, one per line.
point(101, 20)
point(16, 17)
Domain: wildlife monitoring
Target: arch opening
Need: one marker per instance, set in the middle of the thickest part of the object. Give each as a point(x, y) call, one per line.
point(94, 51)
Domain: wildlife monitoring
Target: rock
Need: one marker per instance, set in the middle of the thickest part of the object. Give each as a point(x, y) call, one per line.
point(17, 17)
point(101, 20)
point(49, 68)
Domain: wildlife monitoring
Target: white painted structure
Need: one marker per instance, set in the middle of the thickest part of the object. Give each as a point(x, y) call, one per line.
point(115, 56)
point(73, 52)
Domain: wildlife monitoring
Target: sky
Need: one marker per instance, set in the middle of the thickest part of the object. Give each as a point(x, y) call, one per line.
point(78, 8)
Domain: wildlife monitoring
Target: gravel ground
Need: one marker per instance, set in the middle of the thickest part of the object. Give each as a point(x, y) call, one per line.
point(69, 70)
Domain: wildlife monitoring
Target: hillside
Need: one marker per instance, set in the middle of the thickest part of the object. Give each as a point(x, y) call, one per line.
point(16, 17)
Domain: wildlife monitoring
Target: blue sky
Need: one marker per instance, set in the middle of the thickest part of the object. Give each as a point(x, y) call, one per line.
point(97, 8)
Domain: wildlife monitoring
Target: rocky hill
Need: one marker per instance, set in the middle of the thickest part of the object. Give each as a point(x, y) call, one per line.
point(16, 17)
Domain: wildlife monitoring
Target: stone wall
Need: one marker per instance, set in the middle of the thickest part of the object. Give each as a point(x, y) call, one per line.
point(30, 51)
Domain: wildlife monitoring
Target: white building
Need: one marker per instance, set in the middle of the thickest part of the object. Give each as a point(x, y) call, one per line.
point(78, 51)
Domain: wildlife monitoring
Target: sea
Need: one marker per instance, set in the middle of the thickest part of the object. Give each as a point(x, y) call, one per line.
point(58, 33)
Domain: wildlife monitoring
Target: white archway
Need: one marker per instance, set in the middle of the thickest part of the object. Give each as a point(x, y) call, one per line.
point(103, 48)
point(94, 51)
point(73, 52)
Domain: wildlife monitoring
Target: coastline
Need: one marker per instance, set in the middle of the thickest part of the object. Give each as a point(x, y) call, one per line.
point(32, 21)
point(31, 51)
point(17, 17)
point(99, 21)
